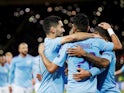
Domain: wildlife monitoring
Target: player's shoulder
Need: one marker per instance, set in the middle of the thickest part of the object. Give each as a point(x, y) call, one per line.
point(36, 58)
point(53, 39)
point(67, 45)
point(28, 55)
point(53, 42)
point(16, 57)
point(96, 39)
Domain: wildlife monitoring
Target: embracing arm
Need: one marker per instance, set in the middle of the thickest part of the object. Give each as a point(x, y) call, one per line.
point(51, 67)
point(78, 51)
point(76, 37)
point(100, 62)
point(116, 41)
point(83, 74)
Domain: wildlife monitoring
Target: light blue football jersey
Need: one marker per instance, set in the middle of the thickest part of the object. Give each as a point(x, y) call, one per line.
point(51, 82)
point(21, 71)
point(93, 46)
point(4, 75)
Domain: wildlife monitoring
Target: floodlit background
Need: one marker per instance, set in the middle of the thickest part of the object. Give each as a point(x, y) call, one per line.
point(21, 21)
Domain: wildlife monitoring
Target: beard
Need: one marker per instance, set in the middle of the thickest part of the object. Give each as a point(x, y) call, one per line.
point(24, 53)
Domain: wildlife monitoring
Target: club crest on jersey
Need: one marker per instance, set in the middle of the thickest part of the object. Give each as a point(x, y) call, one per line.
point(28, 62)
point(6, 70)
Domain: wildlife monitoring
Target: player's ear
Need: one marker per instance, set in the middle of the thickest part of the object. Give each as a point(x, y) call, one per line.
point(88, 28)
point(52, 29)
point(74, 29)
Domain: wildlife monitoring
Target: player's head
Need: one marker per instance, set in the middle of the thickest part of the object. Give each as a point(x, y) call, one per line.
point(53, 25)
point(23, 48)
point(2, 59)
point(8, 56)
point(102, 32)
point(80, 23)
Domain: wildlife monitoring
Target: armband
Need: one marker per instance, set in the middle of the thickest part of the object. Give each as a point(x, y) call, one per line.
point(110, 31)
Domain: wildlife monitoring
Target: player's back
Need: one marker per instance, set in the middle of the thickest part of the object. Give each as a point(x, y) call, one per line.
point(93, 46)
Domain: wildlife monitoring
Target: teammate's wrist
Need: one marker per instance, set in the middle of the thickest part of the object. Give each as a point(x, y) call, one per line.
point(85, 54)
point(89, 74)
point(110, 31)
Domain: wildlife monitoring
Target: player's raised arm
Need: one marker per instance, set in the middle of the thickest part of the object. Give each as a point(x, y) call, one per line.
point(115, 39)
point(80, 52)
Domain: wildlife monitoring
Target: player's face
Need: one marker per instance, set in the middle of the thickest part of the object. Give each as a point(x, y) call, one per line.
point(9, 58)
point(23, 49)
point(59, 30)
point(2, 59)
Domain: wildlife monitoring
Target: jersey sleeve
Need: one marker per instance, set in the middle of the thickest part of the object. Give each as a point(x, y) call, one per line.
point(62, 56)
point(107, 55)
point(104, 45)
point(56, 43)
point(96, 71)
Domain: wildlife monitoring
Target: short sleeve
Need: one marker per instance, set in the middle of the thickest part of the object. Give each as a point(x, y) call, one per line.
point(96, 71)
point(107, 55)
point(104, 45)
point(53, 44)
point(62, 56)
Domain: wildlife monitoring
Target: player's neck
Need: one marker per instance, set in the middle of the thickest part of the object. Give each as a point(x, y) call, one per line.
point(23, 55)
point(51, 36)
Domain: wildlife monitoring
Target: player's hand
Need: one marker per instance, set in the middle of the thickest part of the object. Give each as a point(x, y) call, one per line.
point(41, 48)
point(39, 77)
point(66, 71)
point(82, 74)
point(104, 25)
point(10, 89)
point(33, 81)
point(77, 51)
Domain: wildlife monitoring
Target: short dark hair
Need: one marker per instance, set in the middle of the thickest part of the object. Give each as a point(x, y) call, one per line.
point(102, 32)
point(49, 22)
point(81, 21)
